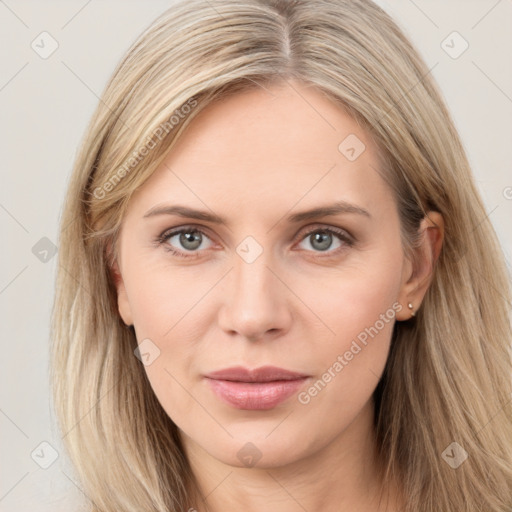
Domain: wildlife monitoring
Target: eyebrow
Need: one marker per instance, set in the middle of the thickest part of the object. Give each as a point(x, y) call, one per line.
point(337, 208)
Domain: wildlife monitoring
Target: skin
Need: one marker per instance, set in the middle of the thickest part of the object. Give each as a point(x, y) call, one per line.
point(255, 158)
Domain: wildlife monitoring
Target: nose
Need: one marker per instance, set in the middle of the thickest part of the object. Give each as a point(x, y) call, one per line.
point(256, 301)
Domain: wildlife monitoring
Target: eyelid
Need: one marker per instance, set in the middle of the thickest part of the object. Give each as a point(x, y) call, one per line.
point(186, 227)
point(311, 228)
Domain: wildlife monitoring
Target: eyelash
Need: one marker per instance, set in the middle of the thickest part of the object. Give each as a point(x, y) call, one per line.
point(162, 240)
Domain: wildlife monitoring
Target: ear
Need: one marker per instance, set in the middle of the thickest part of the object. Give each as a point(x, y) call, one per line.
point(419, 270)
point(123, 304)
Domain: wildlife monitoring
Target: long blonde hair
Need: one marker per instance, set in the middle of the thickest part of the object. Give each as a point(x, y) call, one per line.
point(448, 375)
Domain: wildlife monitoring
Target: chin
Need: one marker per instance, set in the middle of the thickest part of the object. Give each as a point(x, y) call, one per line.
point(255, 448)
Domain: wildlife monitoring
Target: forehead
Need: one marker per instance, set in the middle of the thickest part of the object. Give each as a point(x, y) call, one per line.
point(283, 144)
point(287, 121)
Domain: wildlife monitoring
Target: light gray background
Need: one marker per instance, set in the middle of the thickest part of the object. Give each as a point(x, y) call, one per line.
point(45, 106)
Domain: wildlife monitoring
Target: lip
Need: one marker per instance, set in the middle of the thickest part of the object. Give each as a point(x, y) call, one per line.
point(257, 389)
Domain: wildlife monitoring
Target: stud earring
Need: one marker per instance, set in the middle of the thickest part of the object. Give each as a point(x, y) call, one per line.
point(410, 306)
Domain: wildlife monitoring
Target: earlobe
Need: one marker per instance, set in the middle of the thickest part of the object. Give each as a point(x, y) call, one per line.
point(123, 304)
point(420, 270)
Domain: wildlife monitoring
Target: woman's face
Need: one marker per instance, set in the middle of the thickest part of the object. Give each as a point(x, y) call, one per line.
point(269, 286)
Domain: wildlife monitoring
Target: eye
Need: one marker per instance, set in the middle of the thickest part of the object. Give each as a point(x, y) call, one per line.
point(321, 239)
point(187, 239)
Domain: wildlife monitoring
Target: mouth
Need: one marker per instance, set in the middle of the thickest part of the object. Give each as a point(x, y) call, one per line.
point(258, 389)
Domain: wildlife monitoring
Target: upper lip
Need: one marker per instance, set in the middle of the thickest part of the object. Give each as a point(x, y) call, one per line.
point(261, 374)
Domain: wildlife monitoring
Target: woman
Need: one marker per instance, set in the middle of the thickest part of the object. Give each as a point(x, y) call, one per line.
point(278, 288)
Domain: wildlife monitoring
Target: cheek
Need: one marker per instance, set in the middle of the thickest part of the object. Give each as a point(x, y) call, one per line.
point(356, 297)
point(359, 307)
point(168, 311)
point(161, 296)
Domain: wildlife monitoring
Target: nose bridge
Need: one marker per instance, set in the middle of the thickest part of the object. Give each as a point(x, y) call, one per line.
point(255, 301)
point(253, 279)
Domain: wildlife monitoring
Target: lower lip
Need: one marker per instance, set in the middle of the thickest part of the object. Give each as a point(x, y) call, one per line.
point(255, 395)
